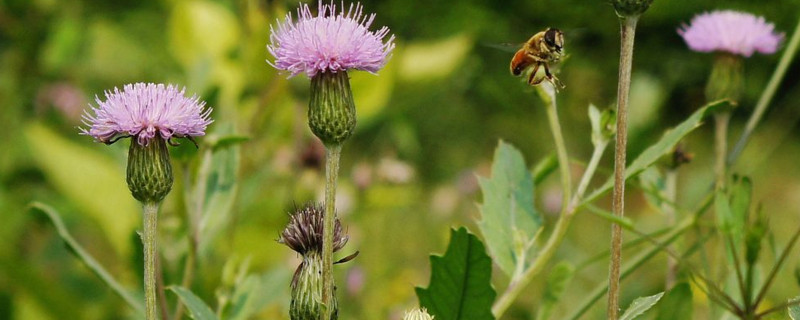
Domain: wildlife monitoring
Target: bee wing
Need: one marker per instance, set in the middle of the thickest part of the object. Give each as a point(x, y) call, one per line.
point(507, 47)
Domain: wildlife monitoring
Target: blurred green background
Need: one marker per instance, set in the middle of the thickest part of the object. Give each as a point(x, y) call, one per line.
point(428, 123)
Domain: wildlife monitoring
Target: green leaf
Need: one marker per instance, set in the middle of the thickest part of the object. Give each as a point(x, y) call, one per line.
point(83, 255)
point(93, 181)
point(509, 222)
point(677, 304)
point(258, 291)
point(460, 287)
point(557, 281)
point(794, 311)
point(665, 145)
point(198, 310)
point(216, 188)
point(640, 305)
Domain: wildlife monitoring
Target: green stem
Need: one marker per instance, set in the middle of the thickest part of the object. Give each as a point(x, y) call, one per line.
point(519, 282)
point(332, 153)
point(768, 94)
point(561, 152)
point(587, 175)
point(670, 195)
point(149, 241)
point(721, 148)
point(627, 35)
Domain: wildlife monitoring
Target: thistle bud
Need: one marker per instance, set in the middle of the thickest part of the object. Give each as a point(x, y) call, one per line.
point(304, 236)
point(149, 171)
point(418, 314)
point(331, 110)
point(726, 81)
point(630, 8)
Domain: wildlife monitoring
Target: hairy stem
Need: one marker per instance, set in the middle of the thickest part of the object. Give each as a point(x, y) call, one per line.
point(721, 121)
point(332, 153)
point(627, 34)
point(768, 94)
point(149, 240)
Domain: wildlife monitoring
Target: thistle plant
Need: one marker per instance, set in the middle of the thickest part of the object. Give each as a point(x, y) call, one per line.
point(152, 115)
point(325, 47)
point(732, 36)
point(303, 234)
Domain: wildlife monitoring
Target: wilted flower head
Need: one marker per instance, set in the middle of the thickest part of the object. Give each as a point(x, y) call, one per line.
point(330, 41)
point(146, 111)
point(731, 31)
point(303, 234)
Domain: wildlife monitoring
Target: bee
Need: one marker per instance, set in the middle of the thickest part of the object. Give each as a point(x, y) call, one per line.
point(541, 49)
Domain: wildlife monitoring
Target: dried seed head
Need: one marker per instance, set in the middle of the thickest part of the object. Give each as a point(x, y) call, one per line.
point(303, 234)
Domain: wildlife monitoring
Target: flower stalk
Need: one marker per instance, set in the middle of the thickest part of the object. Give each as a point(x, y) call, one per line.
point(150, 243)
point(627, 34)
point(332, 154)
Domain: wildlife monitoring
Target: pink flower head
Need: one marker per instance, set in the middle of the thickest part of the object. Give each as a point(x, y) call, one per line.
point(329, 42)
point(146, 111)
point(731, 31)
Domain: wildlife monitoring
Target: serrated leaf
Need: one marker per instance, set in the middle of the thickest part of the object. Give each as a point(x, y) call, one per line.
point(557, 281)
point(640, 305)
point(794, 311)
point(509, 222)
point(198, 310)
point(664, 145)
point(677, 304)
point(460, 287)
point(86, 257)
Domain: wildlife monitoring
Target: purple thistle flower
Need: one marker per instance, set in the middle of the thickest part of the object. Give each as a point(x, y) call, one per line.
point(731, 31)
point(329, 42)
point(146, 111)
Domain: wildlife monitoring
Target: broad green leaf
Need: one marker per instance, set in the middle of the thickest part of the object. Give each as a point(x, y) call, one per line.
point(640, 305)
point(557, 281)
point(94, 182)
point(215, 190)
point(198, 310)
point(258, 291)
point(663, 146)
point(509, 222)
point(460, 287)
point(794, 311)
point(83, 255)
point(677, 304)
point(433, 60)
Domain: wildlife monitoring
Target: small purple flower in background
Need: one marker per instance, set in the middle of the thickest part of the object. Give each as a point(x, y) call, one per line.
point(731, 31)
point(146, 111)
point(329, 42)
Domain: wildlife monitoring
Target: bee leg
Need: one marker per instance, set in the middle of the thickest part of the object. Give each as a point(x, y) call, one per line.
point(553, 79)
point(531, 78)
